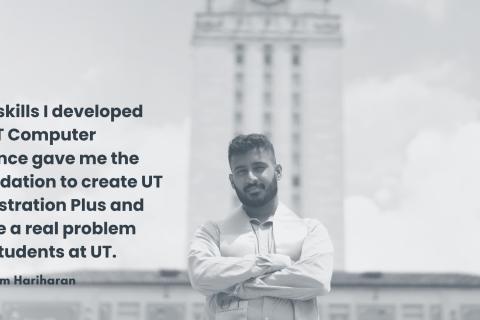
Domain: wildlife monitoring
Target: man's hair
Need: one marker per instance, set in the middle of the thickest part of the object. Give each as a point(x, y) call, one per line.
point(242, 144)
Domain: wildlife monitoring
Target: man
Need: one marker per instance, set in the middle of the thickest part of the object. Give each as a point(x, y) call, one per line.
point(263, 261)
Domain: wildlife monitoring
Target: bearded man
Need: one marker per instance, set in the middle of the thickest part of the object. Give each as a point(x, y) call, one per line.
point(263, 261)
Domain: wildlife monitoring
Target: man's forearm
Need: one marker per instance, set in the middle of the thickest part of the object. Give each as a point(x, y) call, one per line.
point(213, 274)
point(303, 280)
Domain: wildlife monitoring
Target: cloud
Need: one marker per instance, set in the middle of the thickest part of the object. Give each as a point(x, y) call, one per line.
point(412, 157)
point(435, 228)
point(383, 115)
point(442, 172)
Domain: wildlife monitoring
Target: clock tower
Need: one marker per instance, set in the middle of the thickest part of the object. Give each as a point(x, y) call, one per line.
point(270, 66)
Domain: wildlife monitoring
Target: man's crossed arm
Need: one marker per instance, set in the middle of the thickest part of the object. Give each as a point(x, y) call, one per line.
point(255, 276)
point(210, 273)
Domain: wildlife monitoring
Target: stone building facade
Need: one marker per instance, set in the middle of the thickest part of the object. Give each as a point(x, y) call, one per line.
point(167, 295)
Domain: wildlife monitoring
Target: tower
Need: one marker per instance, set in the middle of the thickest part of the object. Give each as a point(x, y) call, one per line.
point(271, 66)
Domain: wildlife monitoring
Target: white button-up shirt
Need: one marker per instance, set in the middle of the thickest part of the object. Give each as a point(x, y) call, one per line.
point(270, 270)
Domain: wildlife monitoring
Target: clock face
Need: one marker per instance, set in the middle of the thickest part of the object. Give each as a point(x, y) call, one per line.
point(268, 2)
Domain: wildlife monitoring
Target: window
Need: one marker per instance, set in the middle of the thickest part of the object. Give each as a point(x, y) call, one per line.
point(296, 138)
point(296, 201)
point(165, 311)
point(267, 98)
point(296, 119)
point(267, 119)
point(296, 56)
point(296, 159)
point(105, 311)
point(238, 117)
point(376, 312)
point(267, 55)
point(239, 78)
point(128, 310)
point(198, 310)
point(296, 79)
point(413, 312)
point(239, 54)
point(268, 79)
point(435, 312)
point(296, 181)
point(239, 23)
point(238, 97)
point(296, 100)
point(470, 311)
point(267, 22)
point(294, 23)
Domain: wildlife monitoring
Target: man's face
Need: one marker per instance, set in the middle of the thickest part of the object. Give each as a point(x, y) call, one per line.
point(254, 177)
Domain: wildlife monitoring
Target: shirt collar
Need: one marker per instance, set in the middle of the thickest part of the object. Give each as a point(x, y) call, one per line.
point(256, 221)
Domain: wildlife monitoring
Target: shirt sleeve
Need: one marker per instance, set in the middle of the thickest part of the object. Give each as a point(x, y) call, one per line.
point(305, 279)
point(210, 273)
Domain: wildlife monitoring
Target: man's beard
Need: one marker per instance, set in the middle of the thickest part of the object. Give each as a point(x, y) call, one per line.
point(270, 193)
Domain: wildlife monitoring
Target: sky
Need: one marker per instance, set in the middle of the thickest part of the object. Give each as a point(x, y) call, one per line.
point(411, 122)
point(412, 133)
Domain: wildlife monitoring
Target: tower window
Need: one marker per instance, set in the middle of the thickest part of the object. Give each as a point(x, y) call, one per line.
point(296, 55)
point(267, 22)
point(267, 55)
point(238, 97)
point(296, 99)
point(296, 159)
point(268, 78)
point(239, 23)
point(296, 180)
point(296, 79)
point(294, 23)
point(238, 117)
point(296, 201)
point(240, 54)
point(239, 78)
point(296, 138)
point(296, 119)
point(267, 98)
point(267, 119)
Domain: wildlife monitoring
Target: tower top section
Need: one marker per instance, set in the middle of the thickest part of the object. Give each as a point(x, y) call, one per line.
point(272, 20)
